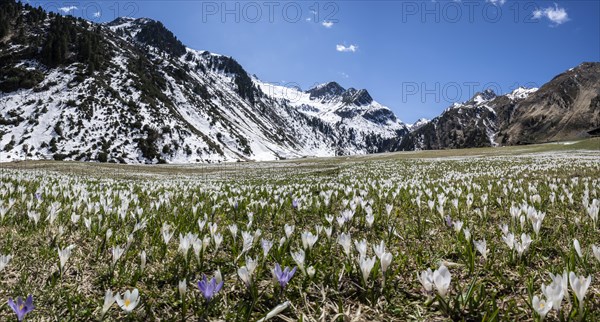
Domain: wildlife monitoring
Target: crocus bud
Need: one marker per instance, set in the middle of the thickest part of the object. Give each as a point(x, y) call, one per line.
point(143, 260)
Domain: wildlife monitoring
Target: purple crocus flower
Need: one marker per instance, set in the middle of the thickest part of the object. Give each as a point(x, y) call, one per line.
point(20, 308)
point(448, 221)
point(209, 288)
point(295, 204)
point(283, 277)
point(38, 196)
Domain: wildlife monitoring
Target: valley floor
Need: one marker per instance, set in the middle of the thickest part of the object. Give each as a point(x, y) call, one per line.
point(431, 235)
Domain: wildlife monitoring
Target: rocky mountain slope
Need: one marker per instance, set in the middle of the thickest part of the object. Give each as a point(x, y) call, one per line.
point(129, 91)
point(567, 107)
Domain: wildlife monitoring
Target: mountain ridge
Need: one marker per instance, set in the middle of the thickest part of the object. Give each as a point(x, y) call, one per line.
point(129, 91)
point(562, 109)
point(142, 104)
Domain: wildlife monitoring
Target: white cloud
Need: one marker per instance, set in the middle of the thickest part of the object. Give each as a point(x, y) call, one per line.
point(344, 49)
point(496, 2)
point(97, 14)
point(555, 14)
point(67, 9)
point(344, 75)
point(327, 24)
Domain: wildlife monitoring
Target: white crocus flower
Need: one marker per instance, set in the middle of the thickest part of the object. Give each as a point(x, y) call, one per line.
point(212, 228)
point(257, 234)
point(202, 223)
point(218, 276)
point(273, 313)
point(328, 231)
point(282, 241)
point(182, 287)
point(308, 240)
point(441, 280)
point(218, 239)
point(129, 301)
point(4, 260)
point(245, 275)
point(142, 260)
point(289, 230)
point(467, 233)
point(457, 225)
point(117, 252)
point(595, 251)
point(341, 220)
point(366, 265)
point(318, 229)
point(509, 239)
point(251, 264)
point(299, 257)
point(577, 247)
point(386, 260)
point(522, 221)
point(186, 242)
point(88, 223)
point(248, 241)
point(379, 249)
point(579, 285)
point(563, 280)
point(64, 255)
point(233, 229)
point(540, 306)
point(266, 246)
point(554, 293)
point(481, 247)
point(109, 300)
point(523, 246)
point(345, 240)
point(166, 232)
point(361, 247)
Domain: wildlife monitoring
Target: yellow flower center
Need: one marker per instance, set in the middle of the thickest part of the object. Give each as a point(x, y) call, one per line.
point(542, 305)
point(21, 307)
point(127, 302)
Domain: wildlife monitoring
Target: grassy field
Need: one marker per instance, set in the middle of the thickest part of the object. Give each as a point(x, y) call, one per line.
point(490, 224)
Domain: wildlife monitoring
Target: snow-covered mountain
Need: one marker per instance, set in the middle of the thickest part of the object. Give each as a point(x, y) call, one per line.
point(345, 108)
point(418, 124)
point(565, 108)
point(473, 123)
point(129, 91)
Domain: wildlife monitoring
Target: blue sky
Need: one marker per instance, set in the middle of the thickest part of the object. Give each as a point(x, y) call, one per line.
point(417, 57)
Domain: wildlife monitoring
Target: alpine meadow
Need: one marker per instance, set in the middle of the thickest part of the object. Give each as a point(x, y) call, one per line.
point(144, 179)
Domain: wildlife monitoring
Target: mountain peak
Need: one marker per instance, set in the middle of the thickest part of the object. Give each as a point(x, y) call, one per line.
point(418, 124)
point(125, 22)
point(149, 32)
point(357, 97)
point(326, 91)
point(482, 97)
point(333, 90)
